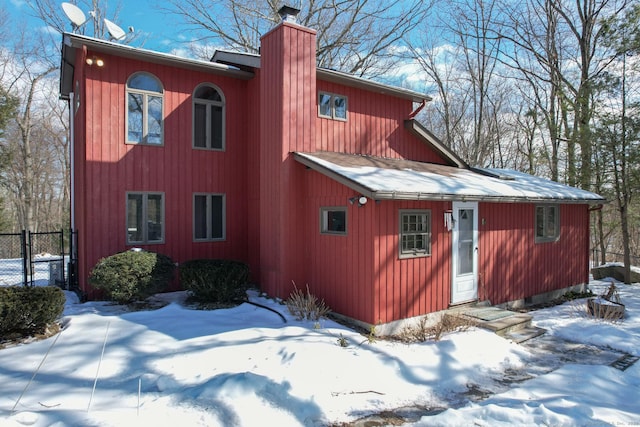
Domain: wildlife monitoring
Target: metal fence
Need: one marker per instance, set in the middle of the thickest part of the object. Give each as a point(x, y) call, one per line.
point(38, 258)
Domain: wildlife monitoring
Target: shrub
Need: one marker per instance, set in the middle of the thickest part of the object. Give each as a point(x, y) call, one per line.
point(132, 275)
point(26, 311)
point(424, 331)
point(306, 306)
point(215, 280)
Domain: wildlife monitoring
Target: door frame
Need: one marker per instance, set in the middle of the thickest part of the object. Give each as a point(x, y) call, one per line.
point(468, 282)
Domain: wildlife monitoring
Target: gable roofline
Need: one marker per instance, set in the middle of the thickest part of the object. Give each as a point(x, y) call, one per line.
point(432, 141)
point(72, 42)
point(247, 61)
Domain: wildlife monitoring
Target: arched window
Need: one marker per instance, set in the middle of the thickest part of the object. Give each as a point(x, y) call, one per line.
point(144, 110)
point(208, 118)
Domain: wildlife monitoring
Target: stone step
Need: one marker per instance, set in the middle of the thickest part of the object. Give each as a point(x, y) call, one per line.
point(507, 324)
point(525, 334)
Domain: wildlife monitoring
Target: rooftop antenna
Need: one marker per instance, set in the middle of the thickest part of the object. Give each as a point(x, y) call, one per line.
point(115, 32)
point(76, 15)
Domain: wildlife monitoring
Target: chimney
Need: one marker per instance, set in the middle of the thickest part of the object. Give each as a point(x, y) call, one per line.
point(289, 14)
point(288, 113)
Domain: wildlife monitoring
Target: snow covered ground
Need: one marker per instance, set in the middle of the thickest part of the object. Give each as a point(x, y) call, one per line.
point(245, 367)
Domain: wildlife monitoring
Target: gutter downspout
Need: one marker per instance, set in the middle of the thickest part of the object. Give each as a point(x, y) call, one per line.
point(418, 109)
point(72, 193)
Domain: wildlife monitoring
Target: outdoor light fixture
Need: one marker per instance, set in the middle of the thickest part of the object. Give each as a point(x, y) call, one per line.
point(362, 200)
point(94, 60)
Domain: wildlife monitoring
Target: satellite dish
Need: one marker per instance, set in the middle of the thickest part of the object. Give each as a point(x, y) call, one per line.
point(115, 32)
point(75, 15)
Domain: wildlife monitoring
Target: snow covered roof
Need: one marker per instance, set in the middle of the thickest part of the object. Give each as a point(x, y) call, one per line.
point(391, 179)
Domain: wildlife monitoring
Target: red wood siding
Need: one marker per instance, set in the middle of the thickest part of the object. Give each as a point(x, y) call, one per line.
point(360, 275)
point(114, 168)
point(415, 286)
point(287, 100)
point(512, 266)
point(374, 126)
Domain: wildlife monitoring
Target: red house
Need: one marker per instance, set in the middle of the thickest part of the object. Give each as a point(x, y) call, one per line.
point(310, 176)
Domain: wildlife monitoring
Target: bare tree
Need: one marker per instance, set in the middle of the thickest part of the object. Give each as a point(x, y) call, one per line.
point(355, 36)
point(27, 174)
point(618, 124)
point(557, 48)
point(460, 61)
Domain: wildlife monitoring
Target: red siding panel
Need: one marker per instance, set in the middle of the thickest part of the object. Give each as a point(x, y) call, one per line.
point(287, 100)
point(512, 266)
point(374, 126)
point(112, 168)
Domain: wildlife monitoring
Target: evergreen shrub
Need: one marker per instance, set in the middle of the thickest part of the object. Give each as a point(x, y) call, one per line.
point(215, 280)
point(25, 311)
point(132, 275)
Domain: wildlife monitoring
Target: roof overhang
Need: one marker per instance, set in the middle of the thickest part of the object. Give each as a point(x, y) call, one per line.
point(72, 42)
point(398, 179)
point(250, 60)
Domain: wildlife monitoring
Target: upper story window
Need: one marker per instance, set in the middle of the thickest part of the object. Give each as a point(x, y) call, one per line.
point(415, 233)
point(332, 106)
point(144, 110)
point(208, 118)
point(547, 223)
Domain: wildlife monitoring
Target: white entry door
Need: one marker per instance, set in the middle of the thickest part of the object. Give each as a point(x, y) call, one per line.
point(464, 286)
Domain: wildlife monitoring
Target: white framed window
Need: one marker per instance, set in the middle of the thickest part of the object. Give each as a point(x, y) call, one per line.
point(332, 106)
point(145, 217)
point(415, 233)
point(547, 223)
point(333, 220)
point(208, 118)
point(209, 217)
point(145, 110)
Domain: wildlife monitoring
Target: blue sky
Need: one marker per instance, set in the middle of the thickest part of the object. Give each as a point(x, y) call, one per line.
point(160, 31)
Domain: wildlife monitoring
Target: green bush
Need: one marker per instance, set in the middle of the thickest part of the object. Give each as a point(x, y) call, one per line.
point(26, 311)
point(132, 275)
point(215, 280)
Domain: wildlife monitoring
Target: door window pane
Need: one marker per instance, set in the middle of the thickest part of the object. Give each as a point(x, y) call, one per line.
point(465, 241)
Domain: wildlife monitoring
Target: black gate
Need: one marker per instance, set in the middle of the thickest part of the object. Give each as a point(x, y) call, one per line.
point(39, 259)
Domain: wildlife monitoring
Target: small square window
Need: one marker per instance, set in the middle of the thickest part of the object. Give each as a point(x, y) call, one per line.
point(332, 106)
point(547, 223)
point(333, 220)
